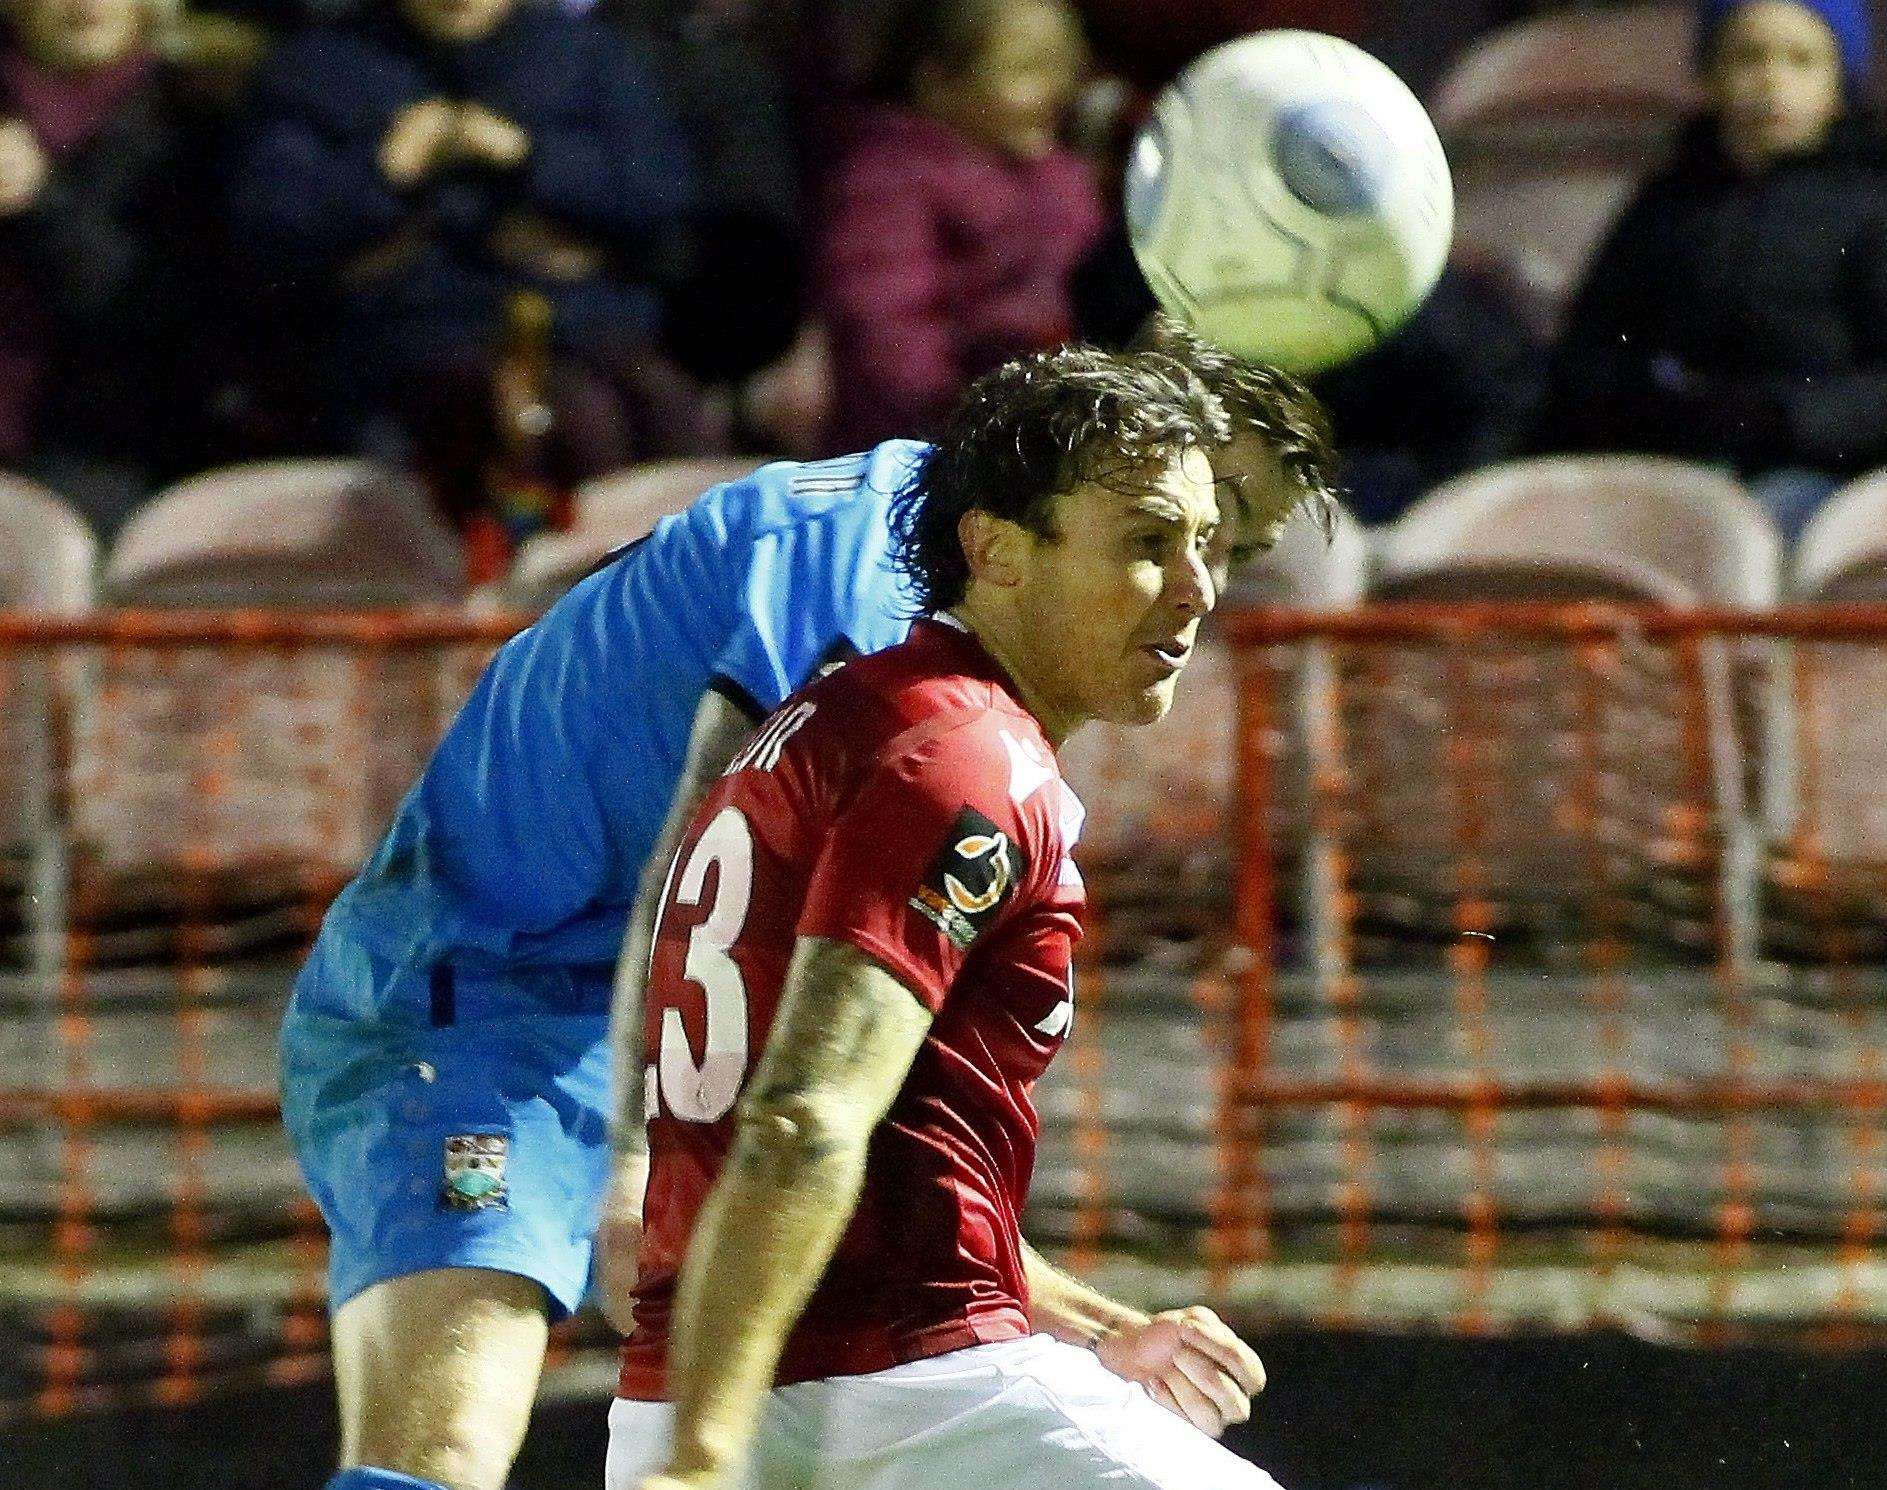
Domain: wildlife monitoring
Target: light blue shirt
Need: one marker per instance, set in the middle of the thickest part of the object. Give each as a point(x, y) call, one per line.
point(520, 849)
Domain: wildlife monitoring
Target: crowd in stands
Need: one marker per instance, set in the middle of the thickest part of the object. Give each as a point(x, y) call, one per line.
point(1737, 312)
point(286, 227)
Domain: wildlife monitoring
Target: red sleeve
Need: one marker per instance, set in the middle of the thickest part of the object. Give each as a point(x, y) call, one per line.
point(930, 853)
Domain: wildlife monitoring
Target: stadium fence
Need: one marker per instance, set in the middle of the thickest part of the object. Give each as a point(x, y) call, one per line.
point(1451, 967)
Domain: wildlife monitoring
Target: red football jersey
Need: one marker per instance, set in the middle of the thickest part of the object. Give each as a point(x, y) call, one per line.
point(909, 805)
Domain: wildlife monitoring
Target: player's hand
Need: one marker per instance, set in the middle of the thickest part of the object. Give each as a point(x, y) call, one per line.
point(488, 139)
point(418, 142)
point(619, 1241)
point(1192, 1364)
point(23, 168)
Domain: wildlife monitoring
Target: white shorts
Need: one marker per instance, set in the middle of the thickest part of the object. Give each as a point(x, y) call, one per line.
point(1030, 1414)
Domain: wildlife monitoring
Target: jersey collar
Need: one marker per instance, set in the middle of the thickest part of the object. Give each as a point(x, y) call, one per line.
point(967, 650)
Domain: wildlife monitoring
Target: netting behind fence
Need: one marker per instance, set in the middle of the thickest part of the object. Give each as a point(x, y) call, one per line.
point(1469, 968)
point(186, 796)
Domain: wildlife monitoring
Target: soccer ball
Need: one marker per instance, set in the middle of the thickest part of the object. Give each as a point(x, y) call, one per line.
point(1289, 200)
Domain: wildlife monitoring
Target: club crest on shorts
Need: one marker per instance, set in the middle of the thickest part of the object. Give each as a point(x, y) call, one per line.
point(972, 875)
point(475, 1173)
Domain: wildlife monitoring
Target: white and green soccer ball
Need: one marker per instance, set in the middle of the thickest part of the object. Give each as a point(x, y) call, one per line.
point(1289, 199)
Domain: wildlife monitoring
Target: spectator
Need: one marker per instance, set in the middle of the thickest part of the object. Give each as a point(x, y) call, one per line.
point(1449, 391)
point(1738, 311)
point(1147, 42)
point(955, 219)
point(836, 52)
point(737, 314)
point(423, 164)
point(97, 219)
point(1422, 41)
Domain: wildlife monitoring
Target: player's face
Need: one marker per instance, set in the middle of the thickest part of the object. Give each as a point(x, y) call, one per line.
point(1774, 78)
point(1013, 96)
point(1256, 497)
point(1113, 601)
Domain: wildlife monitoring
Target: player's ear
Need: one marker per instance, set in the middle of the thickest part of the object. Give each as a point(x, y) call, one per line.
point(992, 547)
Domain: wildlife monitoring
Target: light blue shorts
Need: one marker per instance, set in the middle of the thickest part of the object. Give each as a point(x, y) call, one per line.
point(476, 1142)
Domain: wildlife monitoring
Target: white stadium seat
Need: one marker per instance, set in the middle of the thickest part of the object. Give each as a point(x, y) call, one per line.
point(611, 510)
point(1575, 790)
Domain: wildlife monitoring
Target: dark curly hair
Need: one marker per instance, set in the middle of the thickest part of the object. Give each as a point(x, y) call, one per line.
point(1036, 427)
point(1285, 414)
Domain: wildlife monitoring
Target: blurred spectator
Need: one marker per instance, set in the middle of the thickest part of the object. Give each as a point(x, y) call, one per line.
point(737, 312)
point(1450, 391)
point(1422, 40)
point(955, 219)
point(729, 95)
point(422, 164)
point(99, 215)
point(836, 51)
point(1738, 311)
point(1147, 42)
point(214, 56)
point(279, 17)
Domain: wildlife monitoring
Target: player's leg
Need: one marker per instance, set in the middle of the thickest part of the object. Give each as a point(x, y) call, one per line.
point(458, 1167)
point(1029, 1412)
point(436, 1373)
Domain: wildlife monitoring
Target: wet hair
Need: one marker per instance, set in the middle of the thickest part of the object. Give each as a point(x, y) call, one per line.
point(1034, 428)
point(1264, 401)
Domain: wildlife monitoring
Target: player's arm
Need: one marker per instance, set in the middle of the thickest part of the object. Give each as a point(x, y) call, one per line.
point(1189, 1360)
point(840, 1048)
point(1068, 1309)
point(721, 727)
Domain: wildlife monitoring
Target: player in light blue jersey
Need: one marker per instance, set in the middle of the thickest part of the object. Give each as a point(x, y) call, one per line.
point(446, 1053)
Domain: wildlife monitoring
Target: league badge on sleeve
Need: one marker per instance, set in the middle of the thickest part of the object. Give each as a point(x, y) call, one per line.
point(475, 1173)
point(972, 875)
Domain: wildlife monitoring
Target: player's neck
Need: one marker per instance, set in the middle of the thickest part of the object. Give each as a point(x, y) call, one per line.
point(1002, 642)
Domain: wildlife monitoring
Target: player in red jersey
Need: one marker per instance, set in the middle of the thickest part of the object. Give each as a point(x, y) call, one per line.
point(861, 964)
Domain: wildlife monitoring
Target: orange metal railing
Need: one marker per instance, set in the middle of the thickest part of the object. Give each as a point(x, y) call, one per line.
point(1469, 967)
